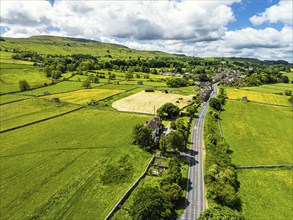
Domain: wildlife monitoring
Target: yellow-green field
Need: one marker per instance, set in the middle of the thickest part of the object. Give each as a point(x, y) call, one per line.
point(84, 96)
point(29, 110)
point(258, 96)
point(144, 102)
point(5, 57)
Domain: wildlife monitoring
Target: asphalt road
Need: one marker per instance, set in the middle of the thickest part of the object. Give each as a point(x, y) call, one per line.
point(194, 204)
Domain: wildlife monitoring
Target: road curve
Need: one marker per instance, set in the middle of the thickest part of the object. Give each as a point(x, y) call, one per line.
point(194, 203)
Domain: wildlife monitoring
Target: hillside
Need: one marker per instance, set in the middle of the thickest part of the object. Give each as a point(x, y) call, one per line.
point(69, 46)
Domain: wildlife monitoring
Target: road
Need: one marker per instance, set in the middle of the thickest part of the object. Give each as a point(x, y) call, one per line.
point(194, 204)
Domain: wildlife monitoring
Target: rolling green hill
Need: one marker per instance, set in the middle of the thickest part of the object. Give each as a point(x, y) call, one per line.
point(69, 46)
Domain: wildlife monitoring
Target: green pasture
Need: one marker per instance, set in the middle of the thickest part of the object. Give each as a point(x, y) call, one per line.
point(266, 193)
point(258, 134)
point(289, 74)
point(65, 86)
point(11, 74)
point(271, 88)
point(29, 110)
point(53, 169)
point(5, 57)
point(11, 97)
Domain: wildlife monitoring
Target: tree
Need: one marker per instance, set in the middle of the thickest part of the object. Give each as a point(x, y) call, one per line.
point(142, 136)
point(175, 171)
point(163, 144)
point(23, 85)
point(152, 203)
point(291, 99)
point(175, 140)
point(173, 191)
point(288, 92)
point(220, 212)
point(285, 79)
point(168, 111)
point(215, 104)
point(86, 84)
point(129, 76)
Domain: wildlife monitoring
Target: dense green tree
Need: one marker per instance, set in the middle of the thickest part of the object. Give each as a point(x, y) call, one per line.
point(215, 104)
point(176, 82)
point(175, 171)
point(291, 99)
point(285, 79)
point(152, 203)
point(129, 76)
point(142, 136)
point(86, 84)
point(220, 213)
point(23, 85)
point(163, 144)
point(173, 191)
point(288, 92)
point(168, 111)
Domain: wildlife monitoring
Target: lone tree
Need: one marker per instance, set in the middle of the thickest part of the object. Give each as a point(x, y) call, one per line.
point(142, 136)
point(86, 84)
point(152, 203)
point(23, 85)
point(168, 111)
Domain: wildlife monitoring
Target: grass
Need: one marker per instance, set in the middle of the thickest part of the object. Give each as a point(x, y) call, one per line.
point(271, 88)
point(10, 98)
point(5, 57)
point(262, 97)
point(266, 194)
point(55, 166)
point(29, 110)
point(258, 134)
point(144, 102)
point(85, 96)
point(11, 74)
point(61, 87)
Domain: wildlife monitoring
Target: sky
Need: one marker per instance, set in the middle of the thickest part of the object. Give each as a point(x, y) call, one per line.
point(260, 29)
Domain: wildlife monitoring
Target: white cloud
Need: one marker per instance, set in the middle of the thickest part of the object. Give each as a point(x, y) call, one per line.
point(281, 12)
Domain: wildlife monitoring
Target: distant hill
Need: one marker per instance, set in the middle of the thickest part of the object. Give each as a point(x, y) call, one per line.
point(68, 46)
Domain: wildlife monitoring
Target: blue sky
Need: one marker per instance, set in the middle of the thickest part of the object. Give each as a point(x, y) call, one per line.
point(259, 28)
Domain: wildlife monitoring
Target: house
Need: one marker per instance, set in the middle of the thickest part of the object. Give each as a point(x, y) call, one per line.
point(155, 125)
point(205, 92)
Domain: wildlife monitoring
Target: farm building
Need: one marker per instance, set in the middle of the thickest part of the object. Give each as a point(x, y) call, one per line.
point(55, 100)
point(149, 90)
point(244, 99)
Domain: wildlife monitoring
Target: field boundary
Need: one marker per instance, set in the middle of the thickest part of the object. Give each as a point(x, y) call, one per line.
point(5, 103)
point(38, 121)
point(129, 191)
point(265, 166)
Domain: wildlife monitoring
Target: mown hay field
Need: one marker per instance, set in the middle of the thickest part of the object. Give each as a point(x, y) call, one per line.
point(144, 102)
point(29, 110)
point(266, 193)
point(258, 134)
point(85, 96)
point(262, 97)
point(53, 169)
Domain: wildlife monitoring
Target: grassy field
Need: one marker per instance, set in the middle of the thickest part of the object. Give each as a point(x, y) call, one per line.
point(5, 57)
point(68, 46)
point(84, 96)
point(253, 96)
point(10, 98)
point(144, 102)
point(29, 110)
point(258, 134)
point(55, 167)
point(271, 88)
point(12, 73)
point(266, 194)
point(61, 87)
